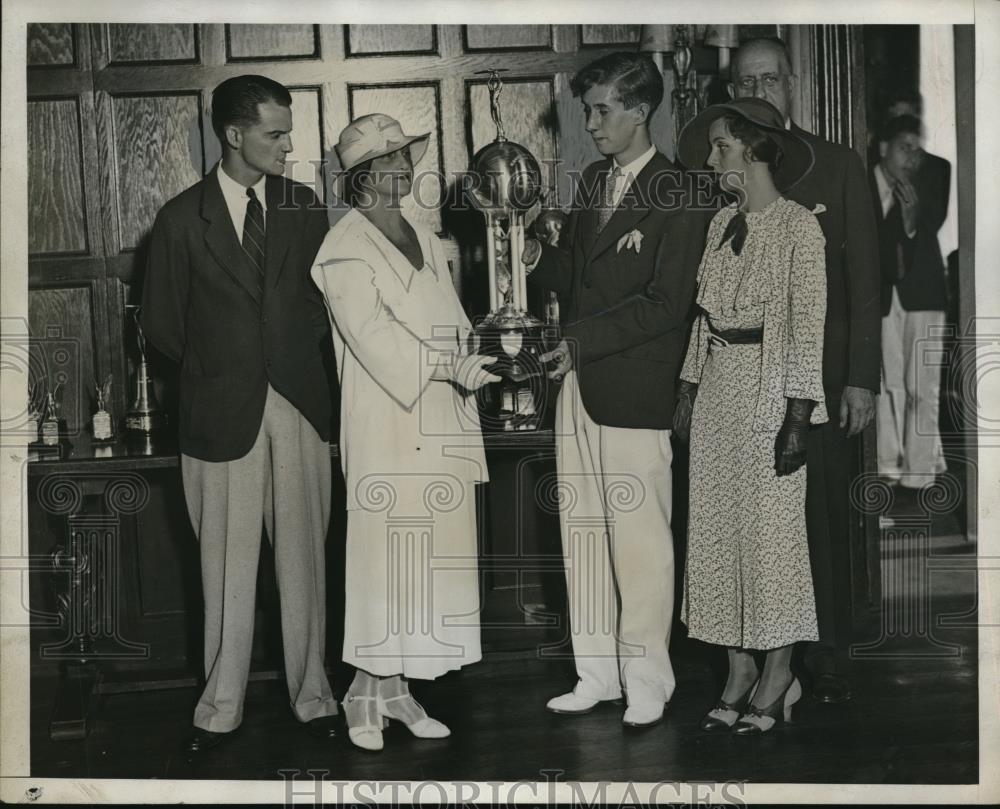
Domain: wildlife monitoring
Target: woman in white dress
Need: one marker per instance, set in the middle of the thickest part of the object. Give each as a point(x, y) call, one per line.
point(410, 443)
point(750, 387)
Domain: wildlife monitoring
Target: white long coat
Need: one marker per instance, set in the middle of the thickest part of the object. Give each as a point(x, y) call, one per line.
point(410, 449)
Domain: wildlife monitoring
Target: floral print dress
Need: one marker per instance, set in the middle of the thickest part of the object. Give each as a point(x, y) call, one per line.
point(747, 580)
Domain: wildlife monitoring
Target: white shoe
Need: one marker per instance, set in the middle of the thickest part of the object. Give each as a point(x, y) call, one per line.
point(422, 728)
point(571, 703)
point(643, 715)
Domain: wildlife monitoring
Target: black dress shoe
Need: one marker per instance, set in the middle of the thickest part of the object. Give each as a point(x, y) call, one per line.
point(831, 689)
point(202, 741)
point(323, 727)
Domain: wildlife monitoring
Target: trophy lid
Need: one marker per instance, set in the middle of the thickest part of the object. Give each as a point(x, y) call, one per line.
point(505, 176)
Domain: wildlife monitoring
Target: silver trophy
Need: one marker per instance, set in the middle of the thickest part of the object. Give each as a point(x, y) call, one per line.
point(505, 184)
point(145, 416)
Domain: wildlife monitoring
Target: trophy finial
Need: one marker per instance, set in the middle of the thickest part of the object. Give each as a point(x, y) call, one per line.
point(495, 87)
point(136, 309)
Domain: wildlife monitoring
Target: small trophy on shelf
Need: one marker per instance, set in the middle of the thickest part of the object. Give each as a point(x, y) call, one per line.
point(145, 416)
point(102, 423)
point(53, 425)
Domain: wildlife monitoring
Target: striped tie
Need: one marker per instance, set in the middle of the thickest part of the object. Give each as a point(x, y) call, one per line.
point(253, 235)
point(607, 208)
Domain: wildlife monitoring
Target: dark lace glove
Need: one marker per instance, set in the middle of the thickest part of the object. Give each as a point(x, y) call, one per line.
point(686, 393)
point(790, 446)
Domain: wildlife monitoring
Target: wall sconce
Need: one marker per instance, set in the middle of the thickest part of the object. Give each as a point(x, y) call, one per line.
point(678, 40)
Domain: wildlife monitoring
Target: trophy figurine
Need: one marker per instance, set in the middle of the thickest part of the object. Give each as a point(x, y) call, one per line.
point(53, 426)
point(506, 183)
point(145, 416)
point(103, 427)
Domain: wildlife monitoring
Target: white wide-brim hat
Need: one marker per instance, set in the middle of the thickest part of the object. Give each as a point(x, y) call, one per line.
point(376, 135)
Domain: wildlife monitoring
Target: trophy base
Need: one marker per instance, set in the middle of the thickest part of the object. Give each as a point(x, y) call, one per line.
point(519, 401)
point(145, 423)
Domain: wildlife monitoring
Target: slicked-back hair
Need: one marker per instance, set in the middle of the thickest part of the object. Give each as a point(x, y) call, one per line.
point(634, 75)
point(235, 101)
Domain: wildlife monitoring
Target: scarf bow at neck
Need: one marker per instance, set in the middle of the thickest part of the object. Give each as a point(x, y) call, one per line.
point(736, 231)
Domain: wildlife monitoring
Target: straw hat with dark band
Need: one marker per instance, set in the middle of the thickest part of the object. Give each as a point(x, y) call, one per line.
point(376, 135)
point(693, 148)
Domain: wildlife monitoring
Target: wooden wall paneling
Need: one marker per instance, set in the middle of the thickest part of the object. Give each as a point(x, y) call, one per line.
point(336, 116)
point(463, 224)
point(305, 162)
point(450, 45)
point(565, 38)
point(506, 37)
point(57, 221)
point(91, 174)
point(130, 43)
point(165, 577)
point(106, 165)
point(576, 147)
point(63, 321)
point(51, 44)
point(212, 45)
point(332, 45)
point(603, 36)
point(250, 43)
point(376, 40)
point(167, 555)
point(418, 109)
point(157, 154)
point(117, 294)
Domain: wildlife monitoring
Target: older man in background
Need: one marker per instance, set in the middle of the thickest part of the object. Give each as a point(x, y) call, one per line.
point(837, 192)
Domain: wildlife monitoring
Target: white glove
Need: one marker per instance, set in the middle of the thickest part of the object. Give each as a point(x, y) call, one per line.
point(468, 372)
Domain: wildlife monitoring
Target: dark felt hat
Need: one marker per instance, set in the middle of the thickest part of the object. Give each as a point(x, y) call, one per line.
point(693, 148)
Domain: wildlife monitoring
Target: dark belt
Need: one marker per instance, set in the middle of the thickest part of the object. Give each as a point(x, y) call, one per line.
point(729, 337)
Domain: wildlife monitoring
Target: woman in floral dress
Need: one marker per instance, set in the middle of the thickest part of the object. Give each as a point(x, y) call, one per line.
point(750, 387)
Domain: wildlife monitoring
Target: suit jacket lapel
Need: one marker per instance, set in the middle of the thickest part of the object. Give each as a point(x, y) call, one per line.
point(220, 237)
point(278, 227)
point(635, 206)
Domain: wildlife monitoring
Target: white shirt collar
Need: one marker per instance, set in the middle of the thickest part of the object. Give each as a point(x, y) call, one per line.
point(236, 198)
point(884, 188)
point(630, 170)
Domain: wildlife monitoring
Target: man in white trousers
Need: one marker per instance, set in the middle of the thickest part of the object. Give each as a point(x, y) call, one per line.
point(624, 272)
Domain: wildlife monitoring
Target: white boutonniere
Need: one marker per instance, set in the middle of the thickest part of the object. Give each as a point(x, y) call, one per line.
point(632, 239)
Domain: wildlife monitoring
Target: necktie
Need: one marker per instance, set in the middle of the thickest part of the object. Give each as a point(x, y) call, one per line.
point(253, 235)
point(608, 201)
point(735, 230)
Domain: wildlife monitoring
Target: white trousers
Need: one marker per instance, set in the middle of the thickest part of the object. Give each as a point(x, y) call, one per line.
point(909, 443)
point(615, 503)
point(282, 483)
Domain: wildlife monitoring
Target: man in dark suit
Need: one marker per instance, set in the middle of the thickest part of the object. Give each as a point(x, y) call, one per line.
point(625, 278)
point(837, 192)
point(227, 295)
point(910, 210)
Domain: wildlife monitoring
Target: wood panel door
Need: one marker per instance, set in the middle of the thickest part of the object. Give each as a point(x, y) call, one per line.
point(119, 122)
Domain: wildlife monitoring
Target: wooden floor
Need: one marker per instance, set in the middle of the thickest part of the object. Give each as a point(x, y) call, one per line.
point(913, 719)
